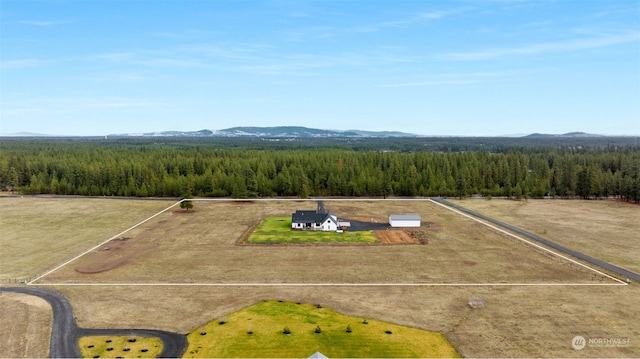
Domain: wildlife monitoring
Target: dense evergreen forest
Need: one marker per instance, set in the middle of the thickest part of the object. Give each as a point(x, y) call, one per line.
point(245, 168)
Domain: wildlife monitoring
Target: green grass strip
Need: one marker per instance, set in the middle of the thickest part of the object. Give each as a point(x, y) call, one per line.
point(278, 230)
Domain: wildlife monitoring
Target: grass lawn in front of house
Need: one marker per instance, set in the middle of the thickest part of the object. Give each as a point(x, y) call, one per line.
point(278, 230)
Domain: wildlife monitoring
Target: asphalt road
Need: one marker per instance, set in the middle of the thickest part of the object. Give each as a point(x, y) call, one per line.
point(65, 332)
point(621, 271)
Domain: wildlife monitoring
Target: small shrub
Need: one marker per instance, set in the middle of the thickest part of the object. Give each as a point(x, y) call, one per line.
point(388, 332)
point(96, 356)
point(249, 332)
point(317, 330)
point(126, 349)
point(144, 350)
point(318, 306)
point(132, 340)
point(286, 330)
point(365, 322)
point(348, 329)
point(108, 341)
point(109, 349)
point(222, 322)
point(203, 333)
point(90, 346)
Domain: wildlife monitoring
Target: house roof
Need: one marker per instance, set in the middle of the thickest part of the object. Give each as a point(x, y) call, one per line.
point(318, 355)
point(310, 217)
point(404, 217)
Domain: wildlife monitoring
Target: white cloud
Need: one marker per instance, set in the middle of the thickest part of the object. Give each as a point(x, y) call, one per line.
point(534, 49)
point(45, 22)
point(18, 64)
point(411, 20)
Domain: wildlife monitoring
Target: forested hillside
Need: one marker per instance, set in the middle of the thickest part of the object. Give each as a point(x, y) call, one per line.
point(258, 168)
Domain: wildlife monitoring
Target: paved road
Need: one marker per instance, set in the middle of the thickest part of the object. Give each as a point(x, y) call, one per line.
point(65, 332)
point(621, 271)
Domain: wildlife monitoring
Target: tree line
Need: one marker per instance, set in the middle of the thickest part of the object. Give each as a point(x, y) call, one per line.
point(145, 168)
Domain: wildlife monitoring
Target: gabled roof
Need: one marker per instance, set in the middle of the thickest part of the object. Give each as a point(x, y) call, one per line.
point(311, 217)
point(318, 355)
point(404, 217)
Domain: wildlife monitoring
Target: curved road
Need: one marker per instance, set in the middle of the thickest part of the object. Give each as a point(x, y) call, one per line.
point(65, 332)
point(621, 271)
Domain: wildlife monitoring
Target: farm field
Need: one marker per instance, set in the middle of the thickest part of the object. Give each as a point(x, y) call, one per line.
point(607, 230)
point(201, 246)
point(38, 233)
point(180, 252)
point(25, 326)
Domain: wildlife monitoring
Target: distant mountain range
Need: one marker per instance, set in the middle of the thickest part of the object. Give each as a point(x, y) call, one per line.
point(271, 132)
point(305, 132)
point(300, 132)
point(564, 135)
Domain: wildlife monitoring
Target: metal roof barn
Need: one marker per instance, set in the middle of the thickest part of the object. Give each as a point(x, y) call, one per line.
point(404, 220)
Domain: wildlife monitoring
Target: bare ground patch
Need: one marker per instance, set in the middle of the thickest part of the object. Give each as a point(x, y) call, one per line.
point(395, 236)
point(124, 250)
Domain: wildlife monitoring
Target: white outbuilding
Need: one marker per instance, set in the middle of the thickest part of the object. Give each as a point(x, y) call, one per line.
point(404, 220)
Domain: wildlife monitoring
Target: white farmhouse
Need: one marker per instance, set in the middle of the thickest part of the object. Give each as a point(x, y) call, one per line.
point(312, 220)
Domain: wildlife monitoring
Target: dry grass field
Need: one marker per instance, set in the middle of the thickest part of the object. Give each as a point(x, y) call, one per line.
point(607, 230)
point(201, 247)
point(38, 233)
point(25, 326)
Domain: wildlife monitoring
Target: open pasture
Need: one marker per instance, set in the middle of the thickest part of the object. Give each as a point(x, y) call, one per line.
point(39, 233)
point(201, 246)
point(604, 229)
point(517, 321)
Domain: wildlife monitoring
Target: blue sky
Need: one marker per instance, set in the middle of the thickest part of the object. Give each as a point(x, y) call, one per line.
point(469, 68)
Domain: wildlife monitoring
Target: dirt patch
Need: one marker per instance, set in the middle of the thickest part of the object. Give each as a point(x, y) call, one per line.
point(395, 236)
point(121, 251)
point(419, 235)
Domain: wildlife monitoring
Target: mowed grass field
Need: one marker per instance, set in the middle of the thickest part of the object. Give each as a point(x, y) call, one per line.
point(278, 230)
point(258, 332)
point(38, 233)
point(25, 326)
point(517, 321)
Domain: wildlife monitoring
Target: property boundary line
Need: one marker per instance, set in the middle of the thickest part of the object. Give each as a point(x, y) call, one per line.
point(33, 281)
point(327, 284)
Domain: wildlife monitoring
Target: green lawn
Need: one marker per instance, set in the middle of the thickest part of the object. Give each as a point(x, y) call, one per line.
point(278, 230)
point(119, 346)
point(257, 332)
